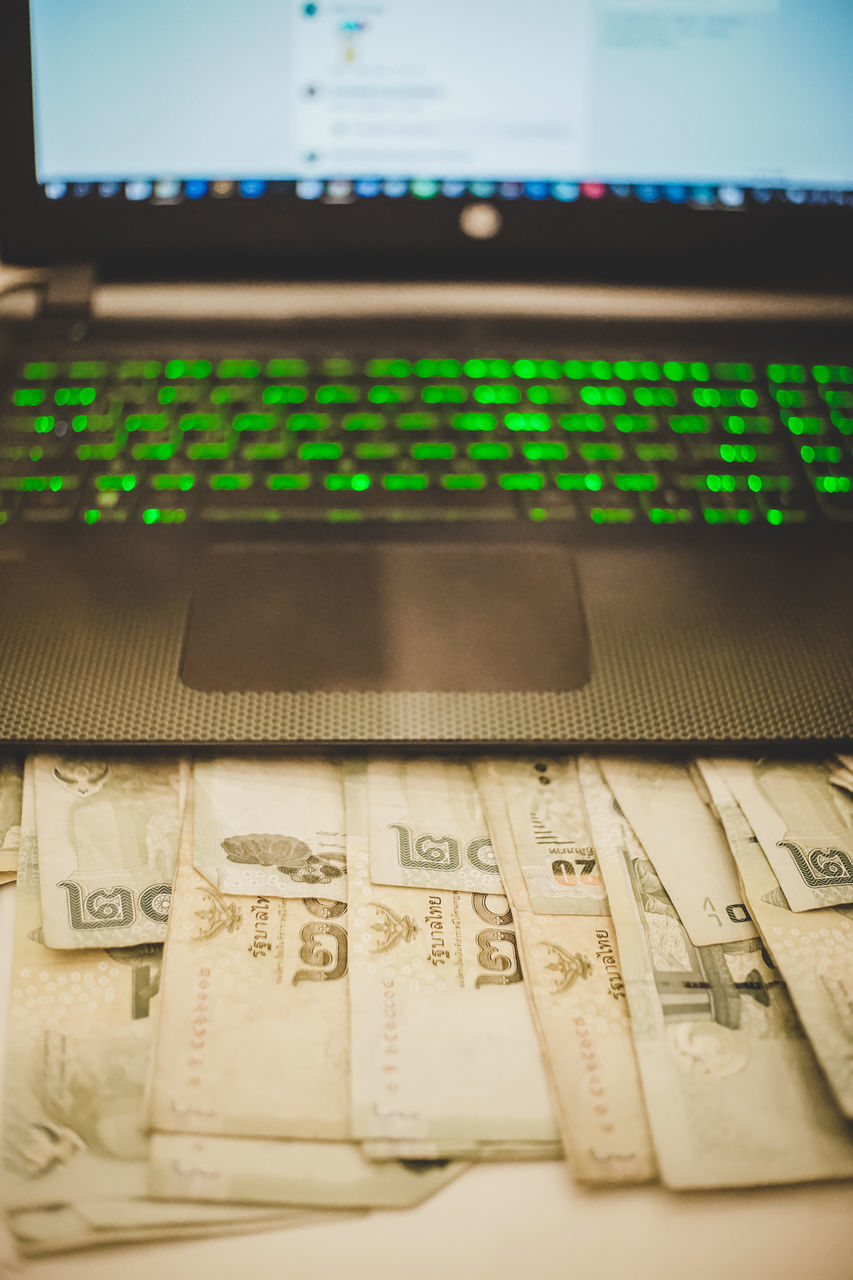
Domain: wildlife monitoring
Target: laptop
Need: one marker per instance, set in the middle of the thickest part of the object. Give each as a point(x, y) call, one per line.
point(427, 376)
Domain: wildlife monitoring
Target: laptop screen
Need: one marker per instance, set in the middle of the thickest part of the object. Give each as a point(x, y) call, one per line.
point(704, 103)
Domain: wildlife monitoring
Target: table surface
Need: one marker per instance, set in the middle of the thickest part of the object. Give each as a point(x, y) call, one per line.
point(505, 1221)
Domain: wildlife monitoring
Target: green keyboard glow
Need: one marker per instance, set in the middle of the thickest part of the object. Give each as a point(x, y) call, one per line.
point(642, 442)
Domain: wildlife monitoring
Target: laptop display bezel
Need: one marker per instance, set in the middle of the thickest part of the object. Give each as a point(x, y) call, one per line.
point(287, 236)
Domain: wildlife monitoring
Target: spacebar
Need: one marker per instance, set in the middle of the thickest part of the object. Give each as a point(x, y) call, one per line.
point(378, 506)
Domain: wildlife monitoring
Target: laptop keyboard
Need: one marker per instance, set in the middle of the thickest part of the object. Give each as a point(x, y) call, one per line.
point(595, 441)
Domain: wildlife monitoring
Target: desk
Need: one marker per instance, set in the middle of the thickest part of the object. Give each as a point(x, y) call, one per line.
point(510, 1221)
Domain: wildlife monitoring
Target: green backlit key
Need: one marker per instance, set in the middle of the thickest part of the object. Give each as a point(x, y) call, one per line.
point(286, 480)
point(148, 422)
point(654, 452)
point(515, 421)
point(434, 452)
point(537, 369)
point(727, 515)
point(489, 451)
point(490, 393)
point(521, 480)
point(603, 395)
point(88, 369)
point(742, 424)
point(209, 452)
point(228, 369)
point(444, 395)
point(399, 483)
point(550, 395)
point(487, 369)
point(308, 422)
point(230, 480)
point(337, 393)
point(456, 483)
point(380, 394)
point(417, 421)
point(595, 452)
point(582, 422)
point(612, 515)
point(804, 426)
point(264, 451)
point(474, 421)
point(75, 395)
point(393, 368)
point(581, 481)
point(669, 515)
point(357, 482)
point(786, 373)
point(40, 371)
point(725, 397)
point(580, 369)
point(734, 371)
point(821, 373)
point(288, 394)
point(139, 452)
point(364, 421)
point(437, 369)
point(690, 423)
point(635, 422)
point(133, 369)
point(287, 367)
point(545, 451)
point(228, 395)
point(27, 397)
point(319, 451)
point(197, 369)
point(655, 397)
point(117, 483)
point(254, 421)
point(636, 482)
point(168, 481)
point(187, 422)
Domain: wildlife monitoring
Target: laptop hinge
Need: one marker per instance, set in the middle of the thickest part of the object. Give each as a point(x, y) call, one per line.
point(67, 300)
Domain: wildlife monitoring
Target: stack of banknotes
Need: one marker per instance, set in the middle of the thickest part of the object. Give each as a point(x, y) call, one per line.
point(378, 970)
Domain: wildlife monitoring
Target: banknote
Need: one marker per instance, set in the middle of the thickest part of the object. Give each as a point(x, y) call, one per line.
point(477, 1153)
point(734, 1094)
point(108, 838)
point(310, 1174)
point(803, 823)
point(253, 1034)
point(841, 772)
point(273, 827)
point(813, 950)
point(684, 843)
point(554, 849)
point(427, 829)
point(39, 1233)
point(10, 813)
point(78, 1043)
point(573, 981)
point(444, 1053)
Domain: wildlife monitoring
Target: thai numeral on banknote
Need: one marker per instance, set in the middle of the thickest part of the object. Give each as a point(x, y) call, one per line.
point(441, 853)
point(819, 866)
point(497, 953)
point(324, 948)
point(115, 907)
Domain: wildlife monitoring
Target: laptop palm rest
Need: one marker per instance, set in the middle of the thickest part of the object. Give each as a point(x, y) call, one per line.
point(386, 616)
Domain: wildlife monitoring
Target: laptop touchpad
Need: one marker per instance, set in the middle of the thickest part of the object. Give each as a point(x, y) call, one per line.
point(357, 617)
